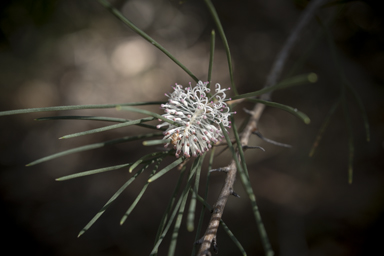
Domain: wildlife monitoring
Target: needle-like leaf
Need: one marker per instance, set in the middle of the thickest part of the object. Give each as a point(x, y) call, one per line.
point(175, 210)
point(362, 109)
point(175, 233)
point(75, 107)
point(220, 29)
point(203, 209)
point(96, 118)
point(166, 228)
point(293, 81)
point(229, 142)
point(344, 100)
point(244, 177)
point(146, 112)
point(132, 207)
point(289, 109)
point(94, 146)
point(113, 198)
point(167, 212)
point(145, 157)
point(192, 203)
point(109, 127)
point(166, 169)
point(95, 171)
point(211, 56)
point(323, 128)
point(91, 118)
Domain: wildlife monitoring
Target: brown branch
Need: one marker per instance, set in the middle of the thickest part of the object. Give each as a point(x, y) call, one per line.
point(218, 209)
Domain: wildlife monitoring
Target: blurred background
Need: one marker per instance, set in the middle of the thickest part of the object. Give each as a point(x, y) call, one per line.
point(55, 53)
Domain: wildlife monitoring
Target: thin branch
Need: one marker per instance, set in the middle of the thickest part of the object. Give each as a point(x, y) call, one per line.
point(258, 134)
point(210, 234)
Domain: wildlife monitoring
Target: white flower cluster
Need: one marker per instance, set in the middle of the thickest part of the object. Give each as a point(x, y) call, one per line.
point(198, 115)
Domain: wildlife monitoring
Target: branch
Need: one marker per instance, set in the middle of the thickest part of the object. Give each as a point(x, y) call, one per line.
point(218, 209)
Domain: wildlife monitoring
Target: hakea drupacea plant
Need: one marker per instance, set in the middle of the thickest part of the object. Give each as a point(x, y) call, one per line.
point(199, 114)
point(194, 120)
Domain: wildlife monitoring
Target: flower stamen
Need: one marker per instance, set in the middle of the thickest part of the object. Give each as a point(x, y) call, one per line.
point(197, 116)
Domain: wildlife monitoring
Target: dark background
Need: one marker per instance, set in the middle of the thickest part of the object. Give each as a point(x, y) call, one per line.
point(70, 52)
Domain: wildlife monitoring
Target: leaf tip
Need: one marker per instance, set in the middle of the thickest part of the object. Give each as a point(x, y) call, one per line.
point(350, 175)
point(312, 77)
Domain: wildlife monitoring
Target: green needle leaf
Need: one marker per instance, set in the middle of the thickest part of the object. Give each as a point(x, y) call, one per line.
point(94, 146)
point(166, 228)
point(146, 112)
point(92, 118)
point(192, 203)
point(239, 145)
point(175, 233)
point(76, 107)
point(251, 195)
point(216, 19)
point(350, 135)
point(202, 213)
point(293, 81)
point(362, 109)
point(244, 176)
point(132, 207)
point(289, 109)
point(95, 118)
point(233, 238)
point(229, 142)
point(113, 198)
point(323, 128)
point(166, 169)
point(211, 55)
point(167, 212)
point(141, 159)
point(255, 209)
point(121, 17)
point(95, 171)
point(109, 127)
point(344, 101)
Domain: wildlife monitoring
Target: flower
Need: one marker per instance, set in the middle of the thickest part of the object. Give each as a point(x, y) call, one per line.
point(198, 114)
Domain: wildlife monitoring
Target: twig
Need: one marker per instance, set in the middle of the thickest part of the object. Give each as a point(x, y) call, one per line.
point(258, 134)
point(210, 233)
